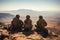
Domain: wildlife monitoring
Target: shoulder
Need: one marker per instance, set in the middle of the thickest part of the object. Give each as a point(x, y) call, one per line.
point(43, 19)
point(30, 20)
point(37, 20)
point(14, 18)
point(25, 19)
point(20, 20)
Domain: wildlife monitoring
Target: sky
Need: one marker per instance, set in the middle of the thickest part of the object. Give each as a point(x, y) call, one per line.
point(38, 5)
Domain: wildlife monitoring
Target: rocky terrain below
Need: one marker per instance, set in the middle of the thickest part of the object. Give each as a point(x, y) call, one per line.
point(27, 36)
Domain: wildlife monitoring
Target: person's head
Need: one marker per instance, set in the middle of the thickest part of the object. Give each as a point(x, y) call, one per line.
point(28, 16)
point(17, 16)
point(40, 17)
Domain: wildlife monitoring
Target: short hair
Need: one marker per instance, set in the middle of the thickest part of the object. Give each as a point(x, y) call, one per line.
point(40, 17)
point(28, 16)
point(17, 16)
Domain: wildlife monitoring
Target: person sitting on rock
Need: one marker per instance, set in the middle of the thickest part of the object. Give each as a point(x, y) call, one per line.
point(28, 23)
point(16, 24)
point(41, 23)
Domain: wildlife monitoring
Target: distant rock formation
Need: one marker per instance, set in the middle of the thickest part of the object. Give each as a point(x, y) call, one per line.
point(6, 17)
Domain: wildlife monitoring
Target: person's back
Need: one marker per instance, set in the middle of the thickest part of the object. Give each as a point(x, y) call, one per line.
point(27, 23)
point(16, 24)
point(41, 23)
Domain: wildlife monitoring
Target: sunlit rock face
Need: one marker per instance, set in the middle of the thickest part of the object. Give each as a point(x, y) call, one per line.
point(35, 36)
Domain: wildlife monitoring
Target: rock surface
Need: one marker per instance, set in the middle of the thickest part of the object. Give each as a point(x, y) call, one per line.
point(33, 36)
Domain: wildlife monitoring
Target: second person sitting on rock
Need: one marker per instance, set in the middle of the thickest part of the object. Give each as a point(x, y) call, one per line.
point(27, 23)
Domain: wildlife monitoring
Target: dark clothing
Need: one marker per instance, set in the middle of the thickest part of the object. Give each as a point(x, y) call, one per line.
point(17, 22)
point(16, 25)
point(41, 23)
point(43, 32)
point(40, 27)
point(28, 24)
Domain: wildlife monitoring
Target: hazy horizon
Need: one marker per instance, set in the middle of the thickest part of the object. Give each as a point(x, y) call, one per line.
point(37, 5)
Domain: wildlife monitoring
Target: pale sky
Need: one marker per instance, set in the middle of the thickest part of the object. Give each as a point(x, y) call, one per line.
point(38, 5)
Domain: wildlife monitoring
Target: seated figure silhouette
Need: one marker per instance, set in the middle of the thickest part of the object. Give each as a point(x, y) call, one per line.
point(40, 27)
point(27, 23)
point(28, 26)
point(16, 24)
